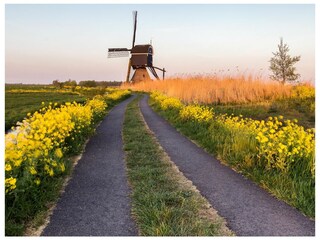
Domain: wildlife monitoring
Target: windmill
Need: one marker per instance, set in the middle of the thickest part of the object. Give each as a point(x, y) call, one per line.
point(141, 58)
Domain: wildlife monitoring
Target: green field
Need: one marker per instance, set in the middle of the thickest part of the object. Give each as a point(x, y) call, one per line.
point(19, 104)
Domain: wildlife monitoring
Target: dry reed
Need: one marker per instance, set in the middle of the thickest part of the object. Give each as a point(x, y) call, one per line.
point(216, 90)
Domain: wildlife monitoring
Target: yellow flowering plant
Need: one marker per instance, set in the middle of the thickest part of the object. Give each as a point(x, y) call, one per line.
point(116, 94)
point(35, 148)
point(276, 143)
point(171, 103)
point(196, 113)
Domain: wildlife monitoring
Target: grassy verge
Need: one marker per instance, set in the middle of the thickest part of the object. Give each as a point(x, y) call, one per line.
point(238, 149)
point(164, 204)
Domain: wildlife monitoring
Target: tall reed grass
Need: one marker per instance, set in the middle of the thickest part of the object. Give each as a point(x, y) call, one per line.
point(216, 90)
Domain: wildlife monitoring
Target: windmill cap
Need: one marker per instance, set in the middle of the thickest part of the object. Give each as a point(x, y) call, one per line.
point(147, 49)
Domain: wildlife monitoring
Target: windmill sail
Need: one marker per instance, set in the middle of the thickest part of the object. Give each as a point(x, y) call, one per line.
point(118, 52)
point(134, 13)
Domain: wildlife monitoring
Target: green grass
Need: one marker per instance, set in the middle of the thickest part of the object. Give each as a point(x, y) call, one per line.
point(33, 203)
point(301, 109)
point(17, 105)
point(27, 86)
point(238, 150)
point(160, 205)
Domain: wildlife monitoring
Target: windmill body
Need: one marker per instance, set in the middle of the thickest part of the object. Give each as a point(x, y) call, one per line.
point(141, 58)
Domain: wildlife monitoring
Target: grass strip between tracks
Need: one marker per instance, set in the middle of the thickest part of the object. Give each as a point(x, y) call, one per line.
point(164, 202)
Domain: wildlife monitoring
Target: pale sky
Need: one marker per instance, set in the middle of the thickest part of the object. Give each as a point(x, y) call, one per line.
point(70, 41)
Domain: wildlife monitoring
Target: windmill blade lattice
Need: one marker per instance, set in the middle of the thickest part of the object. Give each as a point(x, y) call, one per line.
point(118, 52)
point(134, 13)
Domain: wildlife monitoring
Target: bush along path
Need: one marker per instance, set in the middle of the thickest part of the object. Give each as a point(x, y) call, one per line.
point(248, 209)
point(164, 202)
point(96, 200)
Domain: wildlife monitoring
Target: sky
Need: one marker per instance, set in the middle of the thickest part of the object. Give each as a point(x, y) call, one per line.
point(44, 42)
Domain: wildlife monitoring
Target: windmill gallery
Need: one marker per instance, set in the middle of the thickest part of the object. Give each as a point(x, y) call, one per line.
point(141, 58)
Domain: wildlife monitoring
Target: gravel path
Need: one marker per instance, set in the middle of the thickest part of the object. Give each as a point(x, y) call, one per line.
point(248, 209)
point(96, 200)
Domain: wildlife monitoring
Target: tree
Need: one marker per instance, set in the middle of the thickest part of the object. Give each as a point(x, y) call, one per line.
point(281, 65)
point(71, 83)
point(57, 84)
point(88, 83)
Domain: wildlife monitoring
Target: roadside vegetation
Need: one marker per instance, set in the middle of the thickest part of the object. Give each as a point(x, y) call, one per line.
point(38, 151)
point(264, 130)
point(163, 203)
point(299, 105)
point(277, 153)
point(240, 95)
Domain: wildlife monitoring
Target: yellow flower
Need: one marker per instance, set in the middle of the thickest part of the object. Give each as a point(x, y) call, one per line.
point(37, 181)
point(197, 113)
point(58, 153)
point(8, 167)
point(171, 103)
point(49, 170)
point(32, 171)
point(10, 183)
point(62, 167)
